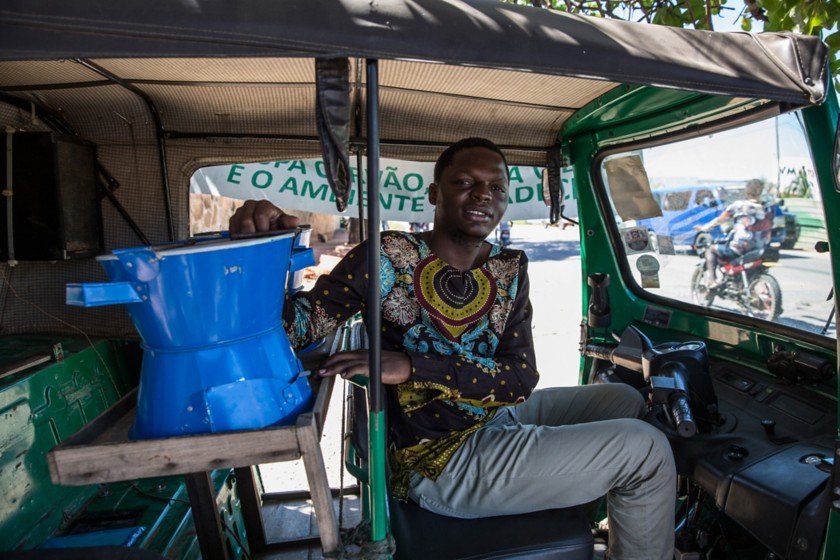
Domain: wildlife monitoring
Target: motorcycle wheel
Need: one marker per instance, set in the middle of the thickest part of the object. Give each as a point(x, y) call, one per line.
point(700, 293)
point(701, 242)
point(764, 297)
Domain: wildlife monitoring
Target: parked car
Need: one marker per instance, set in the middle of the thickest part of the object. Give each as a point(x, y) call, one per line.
point(792, 229)
point(685, 207)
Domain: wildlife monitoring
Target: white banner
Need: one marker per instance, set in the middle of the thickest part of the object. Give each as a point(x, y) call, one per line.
point(302, 185)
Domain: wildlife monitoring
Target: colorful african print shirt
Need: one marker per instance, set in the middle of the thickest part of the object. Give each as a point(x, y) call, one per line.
point(467, 334)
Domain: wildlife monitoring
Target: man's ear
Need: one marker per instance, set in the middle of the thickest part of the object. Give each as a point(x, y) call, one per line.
point(433, 194)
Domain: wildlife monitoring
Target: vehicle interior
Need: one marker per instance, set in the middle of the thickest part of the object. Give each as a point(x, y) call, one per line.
point(110, 108)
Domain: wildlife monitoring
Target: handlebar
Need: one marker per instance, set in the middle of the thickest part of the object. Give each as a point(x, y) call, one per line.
point(682, 415)
point(599, 352)
point(671, 390)
point(669, 385)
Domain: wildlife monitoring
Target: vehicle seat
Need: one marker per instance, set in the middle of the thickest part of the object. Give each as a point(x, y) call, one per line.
point(748, 257)
point(557, 534)
point(85, 553)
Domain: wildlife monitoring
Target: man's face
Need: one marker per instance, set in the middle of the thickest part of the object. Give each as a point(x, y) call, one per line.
point(472, 194)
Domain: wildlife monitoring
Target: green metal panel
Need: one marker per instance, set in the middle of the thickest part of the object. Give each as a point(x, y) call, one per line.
point(40, 407)
point(630, 113)
point(821, 123)
point(44, 404)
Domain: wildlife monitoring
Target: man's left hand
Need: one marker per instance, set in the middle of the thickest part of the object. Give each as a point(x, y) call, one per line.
point(396, 366)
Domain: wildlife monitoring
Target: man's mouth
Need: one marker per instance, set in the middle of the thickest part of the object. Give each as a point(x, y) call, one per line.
point(477, 215)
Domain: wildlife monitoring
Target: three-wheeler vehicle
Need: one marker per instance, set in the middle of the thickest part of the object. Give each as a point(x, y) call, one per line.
point(109, 108)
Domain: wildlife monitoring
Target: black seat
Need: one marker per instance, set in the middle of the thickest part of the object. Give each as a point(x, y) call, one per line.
point(85, 553)
point(557, 534)
point(748, 257)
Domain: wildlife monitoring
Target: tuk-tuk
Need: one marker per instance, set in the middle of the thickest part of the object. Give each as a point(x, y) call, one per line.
point(109, 108)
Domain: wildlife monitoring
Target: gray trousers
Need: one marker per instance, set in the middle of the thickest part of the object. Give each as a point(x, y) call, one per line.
point(563, 447)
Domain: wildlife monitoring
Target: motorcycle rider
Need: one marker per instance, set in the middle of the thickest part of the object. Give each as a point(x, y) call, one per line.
point(503, 233)
point(750, 230)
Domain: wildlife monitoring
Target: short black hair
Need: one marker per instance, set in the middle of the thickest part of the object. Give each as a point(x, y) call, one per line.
point(445, 159)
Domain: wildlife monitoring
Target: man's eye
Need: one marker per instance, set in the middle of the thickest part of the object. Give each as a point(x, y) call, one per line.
point(499, 188)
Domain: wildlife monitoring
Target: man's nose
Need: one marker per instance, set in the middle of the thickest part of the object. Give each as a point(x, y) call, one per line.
point(481, 190)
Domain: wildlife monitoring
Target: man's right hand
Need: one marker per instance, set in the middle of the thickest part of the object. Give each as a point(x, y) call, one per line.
point(260, 215)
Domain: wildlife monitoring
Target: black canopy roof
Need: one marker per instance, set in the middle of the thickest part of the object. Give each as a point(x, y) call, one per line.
point(487, 33)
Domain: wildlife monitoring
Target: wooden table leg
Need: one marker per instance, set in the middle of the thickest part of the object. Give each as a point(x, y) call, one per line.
point(250, 500)
point(319, 485)
point(208, 524)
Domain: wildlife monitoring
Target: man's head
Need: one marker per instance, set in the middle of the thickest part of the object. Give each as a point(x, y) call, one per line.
point(445, 158)
point(754, 189)
point(470, 192)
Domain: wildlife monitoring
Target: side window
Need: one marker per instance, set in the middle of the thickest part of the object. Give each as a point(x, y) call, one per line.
point(704, 197)
point(759, 217)
point(675, 201)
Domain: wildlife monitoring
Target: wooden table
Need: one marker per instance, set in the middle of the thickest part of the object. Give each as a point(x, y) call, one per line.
point(101, 452)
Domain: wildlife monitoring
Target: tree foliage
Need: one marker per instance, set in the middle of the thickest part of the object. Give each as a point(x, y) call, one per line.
point(812, 17)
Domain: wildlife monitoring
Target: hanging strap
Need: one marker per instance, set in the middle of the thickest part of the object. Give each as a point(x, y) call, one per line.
point(554, 162)
point(332, 115)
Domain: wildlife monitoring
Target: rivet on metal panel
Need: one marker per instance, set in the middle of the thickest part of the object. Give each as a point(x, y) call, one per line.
point(58, 352)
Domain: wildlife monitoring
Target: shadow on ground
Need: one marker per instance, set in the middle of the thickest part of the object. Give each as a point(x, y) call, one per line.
point(554, 250)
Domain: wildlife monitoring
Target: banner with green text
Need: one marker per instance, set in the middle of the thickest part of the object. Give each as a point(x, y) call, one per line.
point(302, 185)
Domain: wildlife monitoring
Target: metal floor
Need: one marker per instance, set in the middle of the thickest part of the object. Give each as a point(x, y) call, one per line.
point(291, 527)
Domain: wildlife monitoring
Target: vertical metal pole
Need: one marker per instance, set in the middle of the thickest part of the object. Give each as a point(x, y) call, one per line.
point(8, 192)
point(374, 312)
point(376, 415)
point(778, 159)
point(360, 190)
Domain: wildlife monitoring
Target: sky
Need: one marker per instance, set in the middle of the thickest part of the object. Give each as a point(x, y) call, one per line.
point(740, 154)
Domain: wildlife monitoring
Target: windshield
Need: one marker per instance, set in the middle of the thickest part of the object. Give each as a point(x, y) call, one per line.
point(730, 221)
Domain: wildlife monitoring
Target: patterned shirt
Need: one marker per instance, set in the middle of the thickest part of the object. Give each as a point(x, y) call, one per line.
point(466, 333)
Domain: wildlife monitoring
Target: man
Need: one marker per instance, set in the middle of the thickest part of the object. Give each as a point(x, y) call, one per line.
point(469, 437)
point(750, 230)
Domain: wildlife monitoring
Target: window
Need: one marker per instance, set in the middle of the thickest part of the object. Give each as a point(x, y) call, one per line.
point(673, 203)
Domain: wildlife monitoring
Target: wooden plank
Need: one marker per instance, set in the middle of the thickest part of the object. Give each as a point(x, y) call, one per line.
point(322, 403)
point(319, 485)
point(249, 499)
point(101, 451)
point(129, 460)
point(25, 364)
point(206, 518)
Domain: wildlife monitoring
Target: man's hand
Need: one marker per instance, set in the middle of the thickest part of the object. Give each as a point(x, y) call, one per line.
point(260, 215)
point(396, 367)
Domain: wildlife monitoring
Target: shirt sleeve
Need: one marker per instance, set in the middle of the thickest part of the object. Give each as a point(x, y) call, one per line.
point(508, 377)
point(311, 315)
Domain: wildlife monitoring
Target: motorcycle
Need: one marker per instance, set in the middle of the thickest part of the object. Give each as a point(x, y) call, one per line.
point(504, 234)
point(745, 280)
